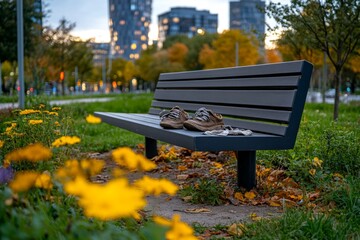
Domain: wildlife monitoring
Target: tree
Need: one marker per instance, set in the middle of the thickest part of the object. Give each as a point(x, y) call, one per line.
point(224, 50)
point(332, 26)
point(8, 28)
point(177, 53)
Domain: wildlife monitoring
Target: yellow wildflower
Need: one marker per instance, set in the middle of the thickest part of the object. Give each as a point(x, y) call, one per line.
point(44, 181)
point(92, 166)
point(84, 168)
point(65, 140)
point(23, 181)
point(28, 111)
point(56, 108)
point(8, 129)
point(57, 124)
point(127, 158)
point(53, 113)
point(178, 230)
point(34, 122)
point(33, 153)
point(113, 200)
point(156, 186)
point(1, 143)
point(92, 119)
point(317, 162)
point(312, 172)
point(41, 105)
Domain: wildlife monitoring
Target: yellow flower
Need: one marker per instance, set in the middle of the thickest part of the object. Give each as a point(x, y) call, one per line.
point(57, 124)
point(8, 129)
point(92, 119)
point(1, 143)
point(312, 172)
point(65, 140)
point(92, 166)
point(178, 230)
point(28, 111)
point(127, 158)
point(44, 181)
point(41, 105)
point(113, 200)
point(23, 181)
point(83, 168)
point(317, 162)
point(33, 153)
point(56, 108)
point(53, 113)
point(156, 186)
point(34, 122)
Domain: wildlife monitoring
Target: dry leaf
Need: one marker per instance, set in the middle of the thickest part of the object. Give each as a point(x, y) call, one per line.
point(274, 203)
point(254, 217)
point(182, 177)
point(236, 229)
point(239, 196)
point(250, 195)
point(182, 168)
point(187, 198)
point(197, 210)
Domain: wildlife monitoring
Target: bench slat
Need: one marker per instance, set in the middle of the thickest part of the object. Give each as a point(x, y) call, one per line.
point(286, 68)
point(270, 98)
point(280, 116)
point(220, 83)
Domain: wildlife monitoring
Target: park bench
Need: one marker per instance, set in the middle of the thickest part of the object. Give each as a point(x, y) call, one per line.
point(267, 99)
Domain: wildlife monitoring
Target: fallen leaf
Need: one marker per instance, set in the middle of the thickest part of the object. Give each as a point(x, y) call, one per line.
point(182, 176)
point(197, 210)
point(187, 198)
point(274, 204)
point(250, 195)
point(236, 229)
point(254, 217)
point(182, 168)
point(239, 196)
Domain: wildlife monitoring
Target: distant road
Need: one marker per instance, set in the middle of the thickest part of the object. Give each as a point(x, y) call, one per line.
point(61, 102)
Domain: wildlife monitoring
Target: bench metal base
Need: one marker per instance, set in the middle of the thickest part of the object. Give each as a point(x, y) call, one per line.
point(246, 169)
point(150, 147)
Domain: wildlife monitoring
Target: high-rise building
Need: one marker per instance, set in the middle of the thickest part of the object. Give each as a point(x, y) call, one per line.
point(246, 15)
point(187, 21)
point(129, 27)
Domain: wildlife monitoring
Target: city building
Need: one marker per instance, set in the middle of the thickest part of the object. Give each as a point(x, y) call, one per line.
point(129, 27)
point(247, 16)
point(100, 51)
point(187, 21)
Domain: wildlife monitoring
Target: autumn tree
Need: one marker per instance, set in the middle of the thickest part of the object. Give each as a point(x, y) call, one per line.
point(223, 53)
point(331, 26)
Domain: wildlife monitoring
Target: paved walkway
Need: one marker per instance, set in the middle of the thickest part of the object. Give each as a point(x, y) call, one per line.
point(61, 102)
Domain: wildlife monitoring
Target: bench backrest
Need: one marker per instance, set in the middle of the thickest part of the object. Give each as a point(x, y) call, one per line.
point(266, 98)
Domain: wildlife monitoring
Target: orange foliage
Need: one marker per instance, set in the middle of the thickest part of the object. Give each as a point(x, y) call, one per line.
point(273, 56)
point(178, 53)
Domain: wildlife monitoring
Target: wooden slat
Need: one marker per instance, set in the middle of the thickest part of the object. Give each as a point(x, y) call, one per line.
point(281, 116)
point(288, 81)
point(270, 98)
point(274, 69)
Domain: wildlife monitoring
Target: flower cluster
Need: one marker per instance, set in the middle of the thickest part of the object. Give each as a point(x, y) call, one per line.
point(113, 200)
point(33, 153)
point(92, 119)
point(25, 180)
point(178, 230)
point(65, 140)
point(35, 122)
point(127, 158)
point(156, 186)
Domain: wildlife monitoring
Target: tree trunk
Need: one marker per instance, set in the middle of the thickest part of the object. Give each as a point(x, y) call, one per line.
point(337, 94)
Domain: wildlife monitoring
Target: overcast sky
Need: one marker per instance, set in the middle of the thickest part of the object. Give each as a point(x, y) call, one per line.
point(91, 16)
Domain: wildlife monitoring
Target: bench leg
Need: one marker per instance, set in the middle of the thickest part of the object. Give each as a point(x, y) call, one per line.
point(246, 169)
point(150, 147)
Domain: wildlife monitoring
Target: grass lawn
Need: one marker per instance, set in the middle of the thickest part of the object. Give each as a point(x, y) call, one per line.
point(325, 159)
